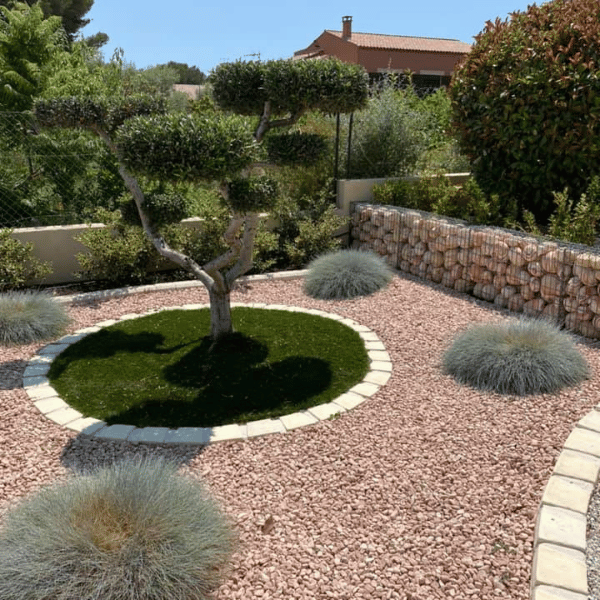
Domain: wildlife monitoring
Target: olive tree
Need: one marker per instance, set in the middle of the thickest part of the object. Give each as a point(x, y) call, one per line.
point(223, 147)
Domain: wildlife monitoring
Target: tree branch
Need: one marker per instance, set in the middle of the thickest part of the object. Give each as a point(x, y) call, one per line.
point(245, 262)
point(157, 240)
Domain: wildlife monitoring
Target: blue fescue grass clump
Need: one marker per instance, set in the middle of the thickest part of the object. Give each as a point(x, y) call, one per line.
point(518, 357)
point(346, 274)
point(27, 317)
point(134, 530)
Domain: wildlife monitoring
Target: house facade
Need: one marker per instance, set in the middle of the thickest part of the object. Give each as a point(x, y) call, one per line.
point(430, 60)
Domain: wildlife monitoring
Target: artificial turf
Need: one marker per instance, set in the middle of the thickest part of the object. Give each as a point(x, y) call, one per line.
point(162, 369)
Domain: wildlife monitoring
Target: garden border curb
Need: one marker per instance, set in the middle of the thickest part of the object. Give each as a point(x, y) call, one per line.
point(48, 402)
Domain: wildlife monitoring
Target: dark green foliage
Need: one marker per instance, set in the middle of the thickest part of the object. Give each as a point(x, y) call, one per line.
point(188, 75)
point(120, 254)
point(252, 194)
point(438, 195)
point(161, 208)
point(516, 357)
point(346, 274)
point(176, 147)
point(295, 148)
point(18, 266)
point(94, 114)
point(27, 317)
point(134, 529)
point(163, 369)
point(28, 42)
point(526, 103)
point(330, 86)
point(71, 12)
point(571, 222)
point(390, 135)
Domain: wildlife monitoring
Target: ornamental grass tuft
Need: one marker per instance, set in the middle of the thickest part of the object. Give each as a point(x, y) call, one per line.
point(27, 317)
point(346, 274)
point(518, 357)
point(134, 530)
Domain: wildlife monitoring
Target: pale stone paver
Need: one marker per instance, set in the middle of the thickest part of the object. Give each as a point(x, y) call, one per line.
point(79, 425)
point(560, 567)
point(591, 421)
point(114, 432)
point(584, 440)
point(567, 492)
point(578, 465)
point(349, 400)
point(365, 389)
point(152, 435)
point(298, 419)
point(93, 428)
point(324, 411)
point(374, 346)
point(62, 416)
point(377, 377)
point(52, 349)
point(544, 592)
point(36, 370)
point(380, 365)
point(50, 404)
point(265, 427)
point(229, 432)
point(189, 435)
point(561, 526)
point(35, 382)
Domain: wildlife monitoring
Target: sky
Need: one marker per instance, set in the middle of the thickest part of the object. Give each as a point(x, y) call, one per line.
point(204, 34)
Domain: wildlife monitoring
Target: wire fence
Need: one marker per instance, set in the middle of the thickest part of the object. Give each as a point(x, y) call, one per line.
point(52, 177)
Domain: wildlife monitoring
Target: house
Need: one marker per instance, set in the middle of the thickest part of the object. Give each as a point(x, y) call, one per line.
point(430, 60)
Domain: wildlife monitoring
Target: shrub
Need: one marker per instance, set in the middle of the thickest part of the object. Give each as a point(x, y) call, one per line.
point(439, 196)
point(295, 148)
point(388, 136)
point(192, 147)
point(525, 103)
point(27, 317)
point(515, 357)
point(133, 530)
point(18, 266)
point(572, 223)
point(161, 208)
point(346, 274)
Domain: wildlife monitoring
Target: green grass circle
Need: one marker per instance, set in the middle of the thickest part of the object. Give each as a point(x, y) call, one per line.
point(160, 370)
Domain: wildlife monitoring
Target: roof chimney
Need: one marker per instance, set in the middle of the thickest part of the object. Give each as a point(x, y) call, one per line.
point(346, 27)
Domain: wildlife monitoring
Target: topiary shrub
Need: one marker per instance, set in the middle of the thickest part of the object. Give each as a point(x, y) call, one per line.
point(346, 274)
point(27, 317)
point(526, 104)
point(133, 530)
point(518, 357)
point(18, 266)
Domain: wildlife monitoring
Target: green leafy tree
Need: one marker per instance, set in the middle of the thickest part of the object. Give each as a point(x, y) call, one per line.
point(219, 147)
point(189, 75)
point(28, 43)
point(526, 104)
point(71, 12)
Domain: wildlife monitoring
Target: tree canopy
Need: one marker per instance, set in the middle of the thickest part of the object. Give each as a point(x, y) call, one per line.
point(71, 12)
point(221, 147)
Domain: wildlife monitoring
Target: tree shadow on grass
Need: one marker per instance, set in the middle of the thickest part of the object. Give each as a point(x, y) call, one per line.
point(234, 383)
point(108, 342)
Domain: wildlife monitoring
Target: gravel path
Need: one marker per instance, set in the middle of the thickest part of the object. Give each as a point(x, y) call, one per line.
point(427, 490)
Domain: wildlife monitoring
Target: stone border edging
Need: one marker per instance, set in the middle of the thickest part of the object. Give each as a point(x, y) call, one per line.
point(559, 570)
point(47, 401)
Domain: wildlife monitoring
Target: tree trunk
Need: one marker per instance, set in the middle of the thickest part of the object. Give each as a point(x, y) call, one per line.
point(220, 313)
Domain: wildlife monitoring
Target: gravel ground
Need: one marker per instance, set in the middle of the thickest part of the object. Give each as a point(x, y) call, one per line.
point(427, 490)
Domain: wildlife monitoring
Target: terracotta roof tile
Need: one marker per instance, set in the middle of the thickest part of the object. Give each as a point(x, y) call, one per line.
point(401, 42)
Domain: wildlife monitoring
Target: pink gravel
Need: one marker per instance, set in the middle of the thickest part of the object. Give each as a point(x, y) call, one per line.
point(427, 490)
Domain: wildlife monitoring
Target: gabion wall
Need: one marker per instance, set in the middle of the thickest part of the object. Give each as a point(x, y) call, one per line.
point(514, 271)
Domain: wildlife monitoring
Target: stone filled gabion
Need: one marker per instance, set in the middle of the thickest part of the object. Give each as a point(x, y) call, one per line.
point(518, 272)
